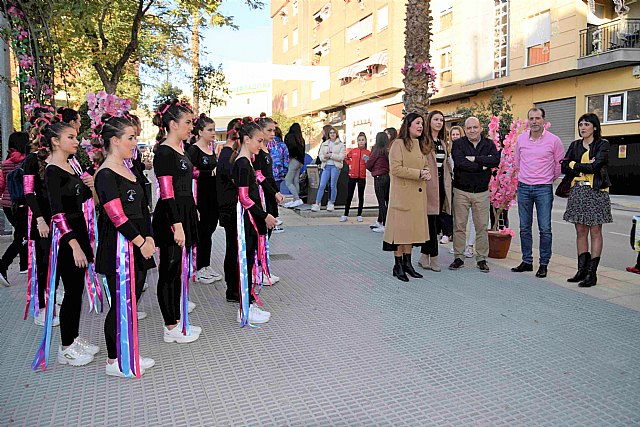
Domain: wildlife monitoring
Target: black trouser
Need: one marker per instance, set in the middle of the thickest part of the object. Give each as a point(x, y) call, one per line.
point(169, 283)
point(381, 186)
point(361, 183)
point(43, 249)
point(231, 264)
point(110, 327)
point(430, 247)
point(206, 226)
point(638, 261)
point(18, 218)
point(73, 280)
point(445, 220)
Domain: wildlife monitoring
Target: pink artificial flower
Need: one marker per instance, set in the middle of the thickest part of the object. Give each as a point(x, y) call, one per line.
point(25, 61)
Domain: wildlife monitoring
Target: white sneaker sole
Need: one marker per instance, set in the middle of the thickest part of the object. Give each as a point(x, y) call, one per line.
point(73, 362)
point(183, 339)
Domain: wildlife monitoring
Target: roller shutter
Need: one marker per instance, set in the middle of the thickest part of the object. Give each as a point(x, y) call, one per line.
point(562, 115)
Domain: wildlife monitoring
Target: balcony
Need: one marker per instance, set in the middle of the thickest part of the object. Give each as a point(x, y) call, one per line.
point(611, 45)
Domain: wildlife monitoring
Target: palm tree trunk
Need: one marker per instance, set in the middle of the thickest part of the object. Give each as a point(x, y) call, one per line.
point(416, 44)
point(195, 60)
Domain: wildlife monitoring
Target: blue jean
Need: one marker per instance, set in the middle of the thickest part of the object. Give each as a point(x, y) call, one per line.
point(540, 195)
point(329, 172)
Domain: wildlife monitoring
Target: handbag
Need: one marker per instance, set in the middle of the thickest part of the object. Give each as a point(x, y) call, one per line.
point(564, 187)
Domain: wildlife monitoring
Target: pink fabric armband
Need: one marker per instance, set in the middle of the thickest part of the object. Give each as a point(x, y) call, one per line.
point(115, 212)
point(259, 176)
point(28, 181)
point(61, 222)
point(196, 173)
point(166, 187)
point(243, 196)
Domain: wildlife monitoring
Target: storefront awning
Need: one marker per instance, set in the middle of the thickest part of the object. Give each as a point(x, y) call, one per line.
point(352, 71)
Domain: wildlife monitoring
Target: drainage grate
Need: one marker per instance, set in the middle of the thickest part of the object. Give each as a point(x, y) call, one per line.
point(281, 256)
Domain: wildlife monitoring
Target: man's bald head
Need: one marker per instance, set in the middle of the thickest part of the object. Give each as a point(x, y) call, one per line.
point(473, 129)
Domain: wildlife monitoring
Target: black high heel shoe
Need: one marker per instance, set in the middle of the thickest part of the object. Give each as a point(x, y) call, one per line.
point(408, 268)
point(398, 270)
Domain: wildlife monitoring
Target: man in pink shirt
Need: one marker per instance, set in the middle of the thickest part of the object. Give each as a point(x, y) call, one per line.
point(538, 155)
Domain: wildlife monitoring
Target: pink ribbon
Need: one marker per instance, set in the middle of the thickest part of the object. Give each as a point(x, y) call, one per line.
point(259, 176)
point(61, 221)
point(115, 211)
point(243, 197)
point(28, 182)
point(165, 183)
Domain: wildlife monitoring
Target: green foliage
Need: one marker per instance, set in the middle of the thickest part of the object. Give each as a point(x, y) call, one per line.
point(498, 106)
point(307, 124)
point(212, 86)
point(166, 92)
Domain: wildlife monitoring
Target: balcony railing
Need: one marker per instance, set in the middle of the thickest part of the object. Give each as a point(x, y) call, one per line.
point(611, 36)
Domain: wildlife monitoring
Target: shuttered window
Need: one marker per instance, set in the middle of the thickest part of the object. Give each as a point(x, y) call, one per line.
point(562, 115)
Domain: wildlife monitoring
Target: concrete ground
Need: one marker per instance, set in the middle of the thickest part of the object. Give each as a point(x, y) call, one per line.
point(349, 345)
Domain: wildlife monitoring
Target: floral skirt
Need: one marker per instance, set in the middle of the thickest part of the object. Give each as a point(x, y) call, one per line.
point(588, 206)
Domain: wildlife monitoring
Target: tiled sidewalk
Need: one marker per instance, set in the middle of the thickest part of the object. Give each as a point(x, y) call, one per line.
point(349, 345)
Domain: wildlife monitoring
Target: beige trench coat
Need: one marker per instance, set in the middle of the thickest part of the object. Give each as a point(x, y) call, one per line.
point(407, 213)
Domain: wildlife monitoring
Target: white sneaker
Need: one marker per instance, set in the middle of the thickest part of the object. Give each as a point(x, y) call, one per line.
point(451, 251)
point(86, 346)
point(145, 286)
point(359, 218)
point(3, 280)
point(330, 207)
point(192, 328)
point(141, 315)
point(315, 207)
point(468, 252)
point(378, 229)
point(203, 277)
point(113, 369)
point(274, 279)
point(277, 230)
point(256, 315)
point(375, 225)
point(39, 319)
point(73, 356)
point(278, 222)
point(147, 363)
point(175, 335)
point(190, 306)
point(445, 240)
point(287, 204)
point(23, 271)
point(343, 218)
point(296, 203)
point(216, 276)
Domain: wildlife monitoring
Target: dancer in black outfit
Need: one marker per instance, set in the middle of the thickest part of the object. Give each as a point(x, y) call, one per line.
point(204, 163)
point(67, 191)
point(263, 165)
point(123, 210)
point(175, 219)
point(244, 176)
point(227, 194)
point(36, 196)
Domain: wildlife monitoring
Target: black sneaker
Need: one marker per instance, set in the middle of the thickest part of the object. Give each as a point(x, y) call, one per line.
point(482, 265)
point(524, 266)
point(456, 264)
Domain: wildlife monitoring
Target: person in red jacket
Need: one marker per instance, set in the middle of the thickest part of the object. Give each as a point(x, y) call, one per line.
point(357, 159)
point(15, 214)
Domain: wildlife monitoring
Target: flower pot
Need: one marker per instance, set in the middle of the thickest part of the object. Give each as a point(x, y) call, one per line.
point(499, 244)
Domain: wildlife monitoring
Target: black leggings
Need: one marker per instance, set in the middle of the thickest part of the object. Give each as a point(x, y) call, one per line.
point(381, 185)
point(43, 248)
point(361, 183)
point(73, 280)
point(206, 226)
point(18, 218)
point(169, 283)
point(430, 247)
point(110, 326)
point(231, 266)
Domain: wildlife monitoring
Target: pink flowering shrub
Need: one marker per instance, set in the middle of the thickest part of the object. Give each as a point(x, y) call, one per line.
point(425, 68)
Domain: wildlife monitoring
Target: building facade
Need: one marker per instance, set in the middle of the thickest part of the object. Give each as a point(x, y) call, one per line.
point(567, 56)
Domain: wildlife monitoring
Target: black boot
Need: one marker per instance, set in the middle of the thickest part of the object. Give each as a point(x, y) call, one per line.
point(591, 279)
point(398, 270)
point(408, 268)
point(583, 264)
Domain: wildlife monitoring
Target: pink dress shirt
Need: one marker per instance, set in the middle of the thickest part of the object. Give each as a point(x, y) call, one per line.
point(538, 161)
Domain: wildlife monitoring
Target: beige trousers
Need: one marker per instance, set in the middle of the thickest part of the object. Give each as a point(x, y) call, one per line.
point(479, 204)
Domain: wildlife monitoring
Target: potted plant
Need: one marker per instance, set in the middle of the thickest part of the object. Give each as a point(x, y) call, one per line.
point(503, 186)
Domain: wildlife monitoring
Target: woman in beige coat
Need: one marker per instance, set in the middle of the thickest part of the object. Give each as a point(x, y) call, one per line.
point(438, 188)
point(407, 215)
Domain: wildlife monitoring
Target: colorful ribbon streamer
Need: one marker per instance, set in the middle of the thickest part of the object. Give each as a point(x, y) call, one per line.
point(33, 304)
point(42, 355)
point(242, 264)
point(187, 262)
point(126, 319)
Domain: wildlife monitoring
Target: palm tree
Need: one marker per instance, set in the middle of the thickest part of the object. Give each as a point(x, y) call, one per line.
point(416, 44)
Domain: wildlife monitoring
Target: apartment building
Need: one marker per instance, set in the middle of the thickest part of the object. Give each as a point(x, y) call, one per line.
point(561, 55)
point(362, 43)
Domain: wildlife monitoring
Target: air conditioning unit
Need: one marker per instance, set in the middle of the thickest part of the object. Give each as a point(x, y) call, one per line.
point(636, 71)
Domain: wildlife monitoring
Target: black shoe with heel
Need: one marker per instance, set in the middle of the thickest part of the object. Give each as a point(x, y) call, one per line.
point(583, 264)
point(524, 266)
point(408, 268)
point(590, 279)
point(398, 270)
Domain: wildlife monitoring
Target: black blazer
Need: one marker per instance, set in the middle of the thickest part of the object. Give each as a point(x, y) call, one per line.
point(598, 152)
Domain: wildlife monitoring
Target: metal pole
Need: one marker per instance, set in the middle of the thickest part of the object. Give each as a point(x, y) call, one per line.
point(6, 119)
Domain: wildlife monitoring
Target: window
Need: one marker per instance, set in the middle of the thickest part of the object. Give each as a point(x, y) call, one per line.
point(501, 39)
point(285, 43)
point(538, 37)
point(285, 101)
point(383, 18)
point(315, 90)
point(446, 75)
point(360, 29)
point(294, 98)
point(294, 7)
point(615, 107)
point(446, 19)
point(295, 37)
point(323, 14)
